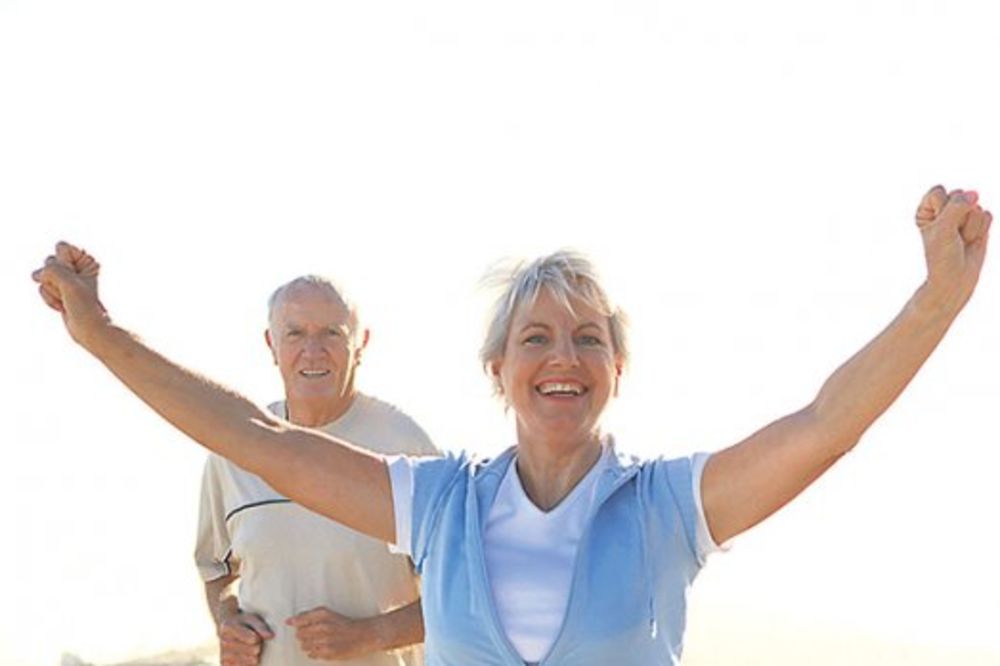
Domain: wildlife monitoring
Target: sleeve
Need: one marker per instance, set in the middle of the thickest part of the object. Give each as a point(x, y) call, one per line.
point(676, 490)
point(427, 447)
point(408, 437)
point(212, 545)
point(705, 543)
point(422, 444)
point(401, 481)
point(421, 489)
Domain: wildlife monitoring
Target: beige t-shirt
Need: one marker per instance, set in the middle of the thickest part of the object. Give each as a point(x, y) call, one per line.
point(291, 560)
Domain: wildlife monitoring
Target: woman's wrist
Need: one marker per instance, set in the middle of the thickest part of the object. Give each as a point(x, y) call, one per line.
point(936, 303)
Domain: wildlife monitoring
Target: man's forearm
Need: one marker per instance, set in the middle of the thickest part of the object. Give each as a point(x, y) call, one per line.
point(400, 627)
point(221, 598)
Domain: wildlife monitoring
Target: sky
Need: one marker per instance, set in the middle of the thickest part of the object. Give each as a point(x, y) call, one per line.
point(744, 174)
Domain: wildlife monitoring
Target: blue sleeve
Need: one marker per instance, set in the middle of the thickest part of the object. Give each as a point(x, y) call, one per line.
point(674, 491)
point(436, 482)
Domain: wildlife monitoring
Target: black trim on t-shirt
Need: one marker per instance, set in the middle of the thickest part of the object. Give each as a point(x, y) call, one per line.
point(253, 504)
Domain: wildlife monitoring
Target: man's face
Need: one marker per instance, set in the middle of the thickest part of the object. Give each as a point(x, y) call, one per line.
point(313, 345)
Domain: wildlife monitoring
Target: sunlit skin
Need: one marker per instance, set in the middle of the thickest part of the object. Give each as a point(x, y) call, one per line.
point(558, 437)
point(550, 346)
point(316, 352)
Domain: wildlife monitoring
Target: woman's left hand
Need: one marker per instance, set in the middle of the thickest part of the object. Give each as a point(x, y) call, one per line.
point(955, 229)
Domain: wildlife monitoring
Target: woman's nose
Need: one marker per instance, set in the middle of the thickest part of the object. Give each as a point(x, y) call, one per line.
point(564, 353)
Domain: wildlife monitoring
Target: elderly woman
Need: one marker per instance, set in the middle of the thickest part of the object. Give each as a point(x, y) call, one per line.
point(559, 551)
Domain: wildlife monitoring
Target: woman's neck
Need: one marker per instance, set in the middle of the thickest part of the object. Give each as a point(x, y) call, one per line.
point(549, 472)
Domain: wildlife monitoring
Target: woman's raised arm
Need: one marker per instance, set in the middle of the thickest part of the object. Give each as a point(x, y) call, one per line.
point(746, 483)
point(329, 476)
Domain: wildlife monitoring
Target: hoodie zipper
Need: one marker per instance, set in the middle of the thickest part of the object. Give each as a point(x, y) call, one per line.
point(627, 475)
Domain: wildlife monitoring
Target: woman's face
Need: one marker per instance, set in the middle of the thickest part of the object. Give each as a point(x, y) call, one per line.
point(559, 369)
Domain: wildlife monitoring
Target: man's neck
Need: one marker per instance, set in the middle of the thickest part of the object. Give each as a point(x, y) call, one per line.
point(317, 413)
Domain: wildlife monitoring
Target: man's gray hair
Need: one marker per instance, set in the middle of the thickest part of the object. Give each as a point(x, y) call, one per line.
point(316, 282)
point(568, 275)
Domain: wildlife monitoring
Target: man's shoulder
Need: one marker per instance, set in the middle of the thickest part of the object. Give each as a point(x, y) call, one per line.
point(371, 406)
point(386, 427)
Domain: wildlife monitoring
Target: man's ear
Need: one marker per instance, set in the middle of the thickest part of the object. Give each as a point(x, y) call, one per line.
point(360, 347)
point(270, 345)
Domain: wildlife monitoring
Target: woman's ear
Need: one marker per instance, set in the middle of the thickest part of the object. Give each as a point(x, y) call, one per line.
point(494, 371)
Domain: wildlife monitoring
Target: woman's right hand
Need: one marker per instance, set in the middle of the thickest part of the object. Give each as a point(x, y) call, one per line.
point(68, 284)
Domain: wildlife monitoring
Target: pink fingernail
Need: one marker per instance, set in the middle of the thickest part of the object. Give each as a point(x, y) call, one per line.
point(971, 196)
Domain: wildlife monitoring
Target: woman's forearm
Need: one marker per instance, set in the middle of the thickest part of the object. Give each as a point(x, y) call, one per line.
point(861, 389)
point(329, 476)
point(214, 416)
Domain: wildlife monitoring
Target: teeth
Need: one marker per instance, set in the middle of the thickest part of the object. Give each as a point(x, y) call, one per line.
point(560, 388)
point(313, 373)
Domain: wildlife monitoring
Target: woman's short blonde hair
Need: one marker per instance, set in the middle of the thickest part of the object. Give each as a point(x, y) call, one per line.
point(569, 276)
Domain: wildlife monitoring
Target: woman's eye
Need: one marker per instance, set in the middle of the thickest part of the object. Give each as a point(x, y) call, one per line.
point(335, 332)
point(536, 339)
point(590, 341)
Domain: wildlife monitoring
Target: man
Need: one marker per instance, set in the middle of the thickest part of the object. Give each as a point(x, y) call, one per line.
point(308, 588)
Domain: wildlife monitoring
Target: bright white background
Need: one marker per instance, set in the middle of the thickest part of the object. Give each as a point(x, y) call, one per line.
point(744, 173)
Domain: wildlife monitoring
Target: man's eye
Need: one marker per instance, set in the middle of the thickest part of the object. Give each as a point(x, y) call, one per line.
point(335, 332)
point(293, 334)
point(536, 339)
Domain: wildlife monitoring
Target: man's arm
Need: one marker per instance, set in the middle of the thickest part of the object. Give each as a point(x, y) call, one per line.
point(325, 634)
point(241, 635)
point(221, 598)
point(748, 482)
point(329, 476)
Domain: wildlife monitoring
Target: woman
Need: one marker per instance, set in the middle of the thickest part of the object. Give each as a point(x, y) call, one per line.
point(558, 551)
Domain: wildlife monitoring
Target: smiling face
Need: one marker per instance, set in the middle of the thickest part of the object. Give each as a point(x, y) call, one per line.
point(315, 350)
point(559, 369)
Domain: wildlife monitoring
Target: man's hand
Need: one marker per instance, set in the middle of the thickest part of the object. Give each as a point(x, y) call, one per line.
point(955, 230)
point(324, 634)
point(68, 284)
point(241, 639)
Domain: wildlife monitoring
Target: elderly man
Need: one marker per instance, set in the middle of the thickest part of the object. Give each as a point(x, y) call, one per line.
point(309, 588)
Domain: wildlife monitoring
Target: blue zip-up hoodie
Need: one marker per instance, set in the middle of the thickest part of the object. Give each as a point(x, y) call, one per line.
point(637, 558)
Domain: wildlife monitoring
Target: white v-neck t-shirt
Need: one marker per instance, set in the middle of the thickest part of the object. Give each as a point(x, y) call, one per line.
point(530, 557)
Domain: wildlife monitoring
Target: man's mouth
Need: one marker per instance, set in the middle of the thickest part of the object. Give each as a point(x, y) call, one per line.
point(313, 374)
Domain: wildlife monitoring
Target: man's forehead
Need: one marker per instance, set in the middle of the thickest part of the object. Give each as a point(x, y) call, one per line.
point(310, 300)
point(305, 295)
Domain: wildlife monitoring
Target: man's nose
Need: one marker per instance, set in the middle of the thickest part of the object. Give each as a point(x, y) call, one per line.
point(314, 345)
